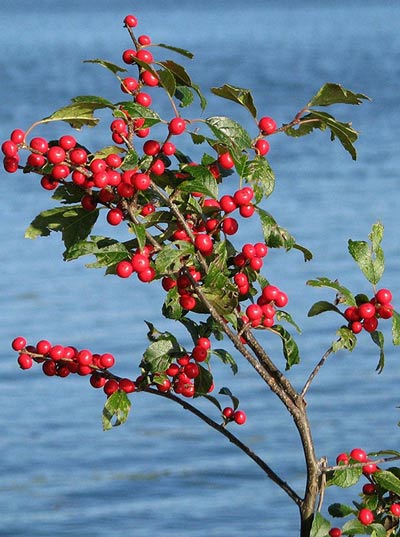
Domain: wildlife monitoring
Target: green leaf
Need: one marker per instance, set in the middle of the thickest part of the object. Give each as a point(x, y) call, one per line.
point(235, 400)
point(77, 114)
point(171, 308)
point(379, 340)
point(274, 235)
point(377, 530)
point(340, 510)
point(229, 132)
point(108, 252)
point(387, 481)
point(226, 358)
point(238, 95)
point(290, 348)
point(178, 50)
point(320, 526)
point(186, 98)
point(179, 72)
point(108, 65)
point(130, 161)
point(68, 193)
point(203, 181)
point(139, 231)
point(109, 150)
point(117, 407)
point(213, 400)
point(168, 260)
point(347, 340)
point(345, 478)
point(321, 307)
point(354, 527)
point(259, 174)
point(344, 295)
point(369, 257)
point(159, 354)
point(396, 328)
point(203, 100)
point(203, 382)
point(281, 315)
point(384, 453)
point(93, 99)
point(167, 81)
point(334, 93)
point(223, 300)
point(74, 222)
point(305, 251)
point(343, 131)
point(138, 111)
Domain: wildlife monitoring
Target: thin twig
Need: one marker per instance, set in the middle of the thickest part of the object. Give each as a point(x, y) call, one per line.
point(315, 371)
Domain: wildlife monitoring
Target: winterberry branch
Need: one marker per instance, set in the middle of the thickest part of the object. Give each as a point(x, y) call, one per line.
point(315, 371)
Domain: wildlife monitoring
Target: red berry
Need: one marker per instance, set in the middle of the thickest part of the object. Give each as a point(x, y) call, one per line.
point(39, 144)
point(78, 156)
point(144, 40)
point(131, 21)
point(25, 361)
point(267, 125)
point(352, 314)
point(395, 509)
point(192, 370)
point(10, 164)
point(149, 79)
point(168, 283)
point(43, 346)
point(204, 342)
point(366, 310)
point(247, 211)
point(270, 292)
point(228, 412)
point(369, 489)
point(229, 226)
point(254, 312)
point(129, 84)
point(168, 149)
point(383, 296)
point(356, 327)
point(177, 126)
point(371, 324)
point(225, 160)
point(110, 387)
point(97, 381)
point(204, 244)
point(385, 311)
point(335, 532)
point(239, 417)
point(227, 203)
point(359, 455)
point(147, 275)
point(261, 249)
point(281, 299)
point(17, 136)
point(115, 216)
point(60, 171)
point(127, 385)
point(140, 262)
point(56, 154)
point(18, 343)
point(143, 99)
point(141, 181)
point(144, 55)
point(164, 386)
point(262, 147)
point(151, 147)
point(128, 56)
point(199, 353)
point(369, 468)
point(84, 357)
point(366, 516)
point(49, 368)
point(124, 269)
point(188, 302)
point(158, 167)
point(249, 251)
point(342, 457)
point(9, 148)
point(106, 360)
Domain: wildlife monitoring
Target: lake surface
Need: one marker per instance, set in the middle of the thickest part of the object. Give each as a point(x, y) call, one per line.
point(164, 472)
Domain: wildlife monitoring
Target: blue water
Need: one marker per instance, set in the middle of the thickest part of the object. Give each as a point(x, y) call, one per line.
point(164, 472)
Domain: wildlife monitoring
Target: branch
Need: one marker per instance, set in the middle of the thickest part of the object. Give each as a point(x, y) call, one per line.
point(233, 439)
point(315, 371)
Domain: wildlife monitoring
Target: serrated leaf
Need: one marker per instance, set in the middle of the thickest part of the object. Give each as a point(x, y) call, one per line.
point(171, 308)
point(346, 297)
point(377, 530)
point(108, 252)
point(238, 95)
point(379, 340)
point(178, 50)
point(235, 400)
point(223, 300)
point(203, 181)
point(354, 527)
point(114, 68)
point(168, 260)
point(275, 236)
point(333, 94)
point(130, 161)
point(167, 81)
point(203, 382)
point(321, 307)
point(347, 340)
point(345, 478)
point(139, 231)
point(93, 99)
point(77, 114)
point(320, 526)
point(184, 94)
point(290, 348)
point(68, 193)
point(117, 408)
point(396, 328)
point(259, 174)
point(179, 72)
point(229, 132)
point(369, 258)
point(340, 510)
point(226, 358)
point(159, 354)
point(387, 481)
point(74, 222)
point(343, 131)
point(138, 111)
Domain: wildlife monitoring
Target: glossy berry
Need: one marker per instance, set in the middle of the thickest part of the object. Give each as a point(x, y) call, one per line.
point(239, 417)
point(199, 353)
point(17, 136)
point(359, 455)
point(25, 361)
point(204, 243)
point(267, 125)
point(335, 532)
point(131, 21)
point(168, 149)
point(226, 161)
point(141, 181)
point(128, 56)
point(110, 387)
point(229, 226)
point(188, 302)
point(383, 296)
point(366, 516)
point(177, 126)
point(129, 85)
point(147, 275)
point(204, 342)
point(227, 412)
point(370, 324)
point(144, 55)
point(356, 327)
point(369, 489)
point(366, 310)
point(143, 99)
point(115, 217)
point(124, 269)
point(395, 509)
point(342, 458)
point(149, 79)
point(18, 343)
point(262, 147)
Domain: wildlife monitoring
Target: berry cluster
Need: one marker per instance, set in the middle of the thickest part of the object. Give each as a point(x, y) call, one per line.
point(384, 505)
point(262, 313)
point(140, 263)
point(367, 314)
point(230, 414)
